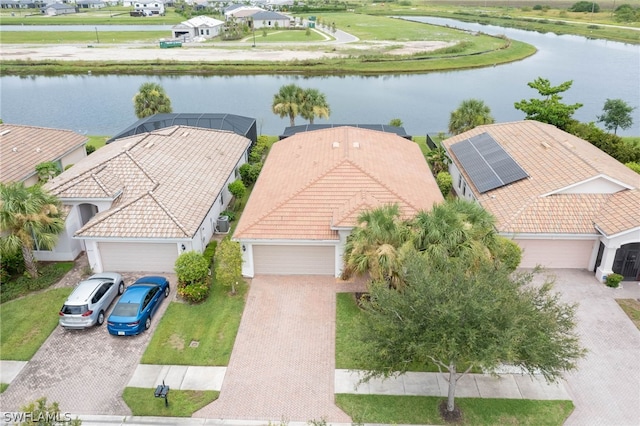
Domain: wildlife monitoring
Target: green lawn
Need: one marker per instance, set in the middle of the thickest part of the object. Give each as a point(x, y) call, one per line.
point(27, 322)
point(213, 324)
point(631, 307)
point(3, 387)
point(631, 140)
point(98, 141)
point(107, 16)
point(182, 403)
point(476, 411)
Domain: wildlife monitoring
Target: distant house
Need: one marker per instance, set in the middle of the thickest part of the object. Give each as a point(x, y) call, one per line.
point(269, 19)
point(149, 8)
point(19, 4)
point(199, 26)
point(56, 9)
point(22, 148)
point(90, 4)
point(240, 11)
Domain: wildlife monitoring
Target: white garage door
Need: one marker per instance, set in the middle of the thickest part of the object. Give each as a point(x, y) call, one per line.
point(138, 257)
point(294, 260)
point(574, 254)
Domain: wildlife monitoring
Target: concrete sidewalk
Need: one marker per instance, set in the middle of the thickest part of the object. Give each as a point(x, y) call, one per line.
point(182, 377)
point(9, 370)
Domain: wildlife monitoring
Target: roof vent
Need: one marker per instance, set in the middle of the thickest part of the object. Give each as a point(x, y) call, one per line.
point(4, 132)
point(356, 144)
point(38, 149)
point(149, 145)
point(545, 145)
point(336, 145)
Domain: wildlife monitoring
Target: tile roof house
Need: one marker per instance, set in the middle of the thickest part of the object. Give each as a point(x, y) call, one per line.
point(573, 207)
point(198, 26)
point(313, 186)
point(22, 148)
point(140, 201)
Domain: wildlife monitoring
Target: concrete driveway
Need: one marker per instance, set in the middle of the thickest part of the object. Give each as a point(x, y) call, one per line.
point(606, 387)
point(85, 371)
point(283, 361)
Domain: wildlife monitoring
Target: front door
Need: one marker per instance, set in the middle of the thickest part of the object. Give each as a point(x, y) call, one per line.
point(627, 261)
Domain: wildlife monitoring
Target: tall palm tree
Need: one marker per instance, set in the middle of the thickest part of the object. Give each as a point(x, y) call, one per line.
point(456, 229)
point(314, 104)
point(288, 102)
point(28, 217)
point(378, 245)
point(438, 160)
point(151, 99)
point(471, 113)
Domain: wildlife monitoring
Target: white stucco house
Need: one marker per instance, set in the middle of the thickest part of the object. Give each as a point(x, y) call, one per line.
point(22, 148)
point(140, 201)
point(564, 201)
point(198, 26)
point(312, 188)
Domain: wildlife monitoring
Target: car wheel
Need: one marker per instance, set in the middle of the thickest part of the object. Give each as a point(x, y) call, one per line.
point(100, 319)
point(121, 287)
point(167, 291)
point(147, 324)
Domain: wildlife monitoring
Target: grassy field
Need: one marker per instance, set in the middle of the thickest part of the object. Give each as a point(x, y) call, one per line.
point(107, 16)
point(213, 324)
point(476, 411)
point(26, 323)
point(284, 36)
point(182, 403)
point(98, 141)
point(631, 307)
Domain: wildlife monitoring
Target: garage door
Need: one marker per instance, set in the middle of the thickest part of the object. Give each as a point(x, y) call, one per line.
point(138, 257)
point(574, 254)
point(294, 260)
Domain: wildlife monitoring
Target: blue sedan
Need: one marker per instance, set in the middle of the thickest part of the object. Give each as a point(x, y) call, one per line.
point(132, 314)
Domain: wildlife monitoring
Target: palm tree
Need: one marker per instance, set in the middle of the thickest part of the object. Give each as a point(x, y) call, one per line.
point(438, 160)
point(314, 104)
point(29, 217)
point(151, 99)
point(471, 113)
point(455, 229)
point(378, 245)
point(287, 102)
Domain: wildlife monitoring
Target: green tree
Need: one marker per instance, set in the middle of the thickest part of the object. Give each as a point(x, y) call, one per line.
point(460, 319)
point(288, 102)
point(438, 160)
point(237, 189)
point(445, 183)
point(47, 170)
point(626, 13)
point(314, 104)
point(29, 217)
point(616, 113)
point(585, 6)
point(229, 264)
point(44, 414)
point(471, 113)
point(377, 245)
point(395, 122)
point(151, 99)
point(549, 109)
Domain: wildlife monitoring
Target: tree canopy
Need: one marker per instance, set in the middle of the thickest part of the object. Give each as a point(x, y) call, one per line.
point(471, 113)
point(229, 264)
point(549, 109)
point(151, 99)
point(314, 104)
point(292, 100)
point(460, 320)
point(616, 113)
point(29, 217)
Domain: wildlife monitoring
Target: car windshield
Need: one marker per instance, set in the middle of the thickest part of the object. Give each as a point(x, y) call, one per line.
point(125, 310)
point(74, 309)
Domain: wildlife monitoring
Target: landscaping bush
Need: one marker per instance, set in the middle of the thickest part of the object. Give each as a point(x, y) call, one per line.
point(211, 247)
point(23, 285)
point(613, 280)
point(509, 253)
point(537, 7)
point(259, 150)
point(608, 142)
point(585, 6)
point(249, 173)
point(191, 268)
point(445, 183)
point(230, 214)
point(90, 149)
point(237, 189)
point(194, 293)
point(633, 166)
point(11, 265)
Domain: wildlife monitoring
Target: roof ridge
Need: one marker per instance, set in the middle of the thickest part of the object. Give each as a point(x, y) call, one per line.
point(166, 210)
point(137, 163)
point(98, 182)
point(110, 212)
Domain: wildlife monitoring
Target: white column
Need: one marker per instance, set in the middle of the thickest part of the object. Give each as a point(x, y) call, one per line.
point(606, 265)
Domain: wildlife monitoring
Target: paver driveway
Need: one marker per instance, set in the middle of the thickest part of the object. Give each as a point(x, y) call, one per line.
point(85, 371)
point(283, 361)
point(606, 387)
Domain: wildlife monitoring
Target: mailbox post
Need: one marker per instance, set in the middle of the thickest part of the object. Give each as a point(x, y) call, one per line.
point(162, 391)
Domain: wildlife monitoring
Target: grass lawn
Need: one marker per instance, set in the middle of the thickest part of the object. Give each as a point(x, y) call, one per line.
point(98, 141)
point(27, 322)
point(182, 403)
point(631, 140)
point(213, 323)
point(631, 307)
point(3, 387)
point(476, 411)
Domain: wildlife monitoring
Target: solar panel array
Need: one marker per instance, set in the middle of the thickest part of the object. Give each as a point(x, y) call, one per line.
point(488, 165)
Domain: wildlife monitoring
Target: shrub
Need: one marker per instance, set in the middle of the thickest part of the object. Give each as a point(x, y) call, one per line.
point(211, 249)
point(10, 265)
point(445, 183)
point(585, 6)
point(249, 173)
point(633, 166)
point(611, 144)
point(230, 214)
point(613, 280)
point(259, 150)
point(626, 13)
point(237, 189)
point(90, 149)
point(23, 285)
point(509, 253)
point(537, 7)
point(194, 293)
point(525, 9)
point(191, 268)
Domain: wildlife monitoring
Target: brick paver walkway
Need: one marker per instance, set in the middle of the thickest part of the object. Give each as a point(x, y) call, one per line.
point(606, 387)
point(283, 361)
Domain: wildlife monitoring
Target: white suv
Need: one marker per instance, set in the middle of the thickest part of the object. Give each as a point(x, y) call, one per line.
point(90, 300)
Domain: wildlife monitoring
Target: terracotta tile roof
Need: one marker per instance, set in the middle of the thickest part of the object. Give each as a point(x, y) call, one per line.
point(164, 182)
point(554, 160)
point(620, 213)
point(317, 180)
point(22, 148)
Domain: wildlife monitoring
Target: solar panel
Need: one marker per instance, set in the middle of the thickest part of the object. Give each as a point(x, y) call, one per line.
point(488, 165)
